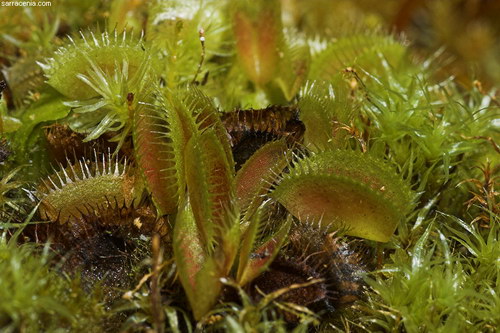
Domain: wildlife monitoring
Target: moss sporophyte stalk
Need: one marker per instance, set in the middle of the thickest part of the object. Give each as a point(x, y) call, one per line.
point(231, 166)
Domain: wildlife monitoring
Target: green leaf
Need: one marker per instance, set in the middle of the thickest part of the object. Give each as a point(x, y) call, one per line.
point(49, 108)
point(8, 124)
point(230, 242)
point(248, 243)
point(207, 116)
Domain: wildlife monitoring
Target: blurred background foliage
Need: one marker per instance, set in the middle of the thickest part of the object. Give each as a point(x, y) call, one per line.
point(467, 31)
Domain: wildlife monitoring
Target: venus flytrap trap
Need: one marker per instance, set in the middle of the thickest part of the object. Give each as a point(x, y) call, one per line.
point(294, 65)
point(275, 60)
point(255, 153)
point(209, 179)
point(91, 52)
point(8, 123)
point(326, 111)
point(259, 38)
point(104, 68)
point(257, 175)
point(347, 188)
point(160, 141)
point(105, 184)
point(357, 50)
point(25, 78)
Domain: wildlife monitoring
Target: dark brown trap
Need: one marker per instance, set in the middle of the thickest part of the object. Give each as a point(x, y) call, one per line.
point(252, 128)
point(313, 253)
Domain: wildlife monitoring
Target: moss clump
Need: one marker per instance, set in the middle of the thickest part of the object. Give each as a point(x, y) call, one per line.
point(36, 298)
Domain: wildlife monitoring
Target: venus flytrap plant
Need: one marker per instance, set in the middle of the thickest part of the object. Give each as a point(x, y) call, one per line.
point(259, 197)
point(207, 231)
point(207, 234)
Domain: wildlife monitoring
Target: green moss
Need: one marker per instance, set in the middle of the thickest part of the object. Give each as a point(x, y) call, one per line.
point(447, 281)
point(36, 298)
